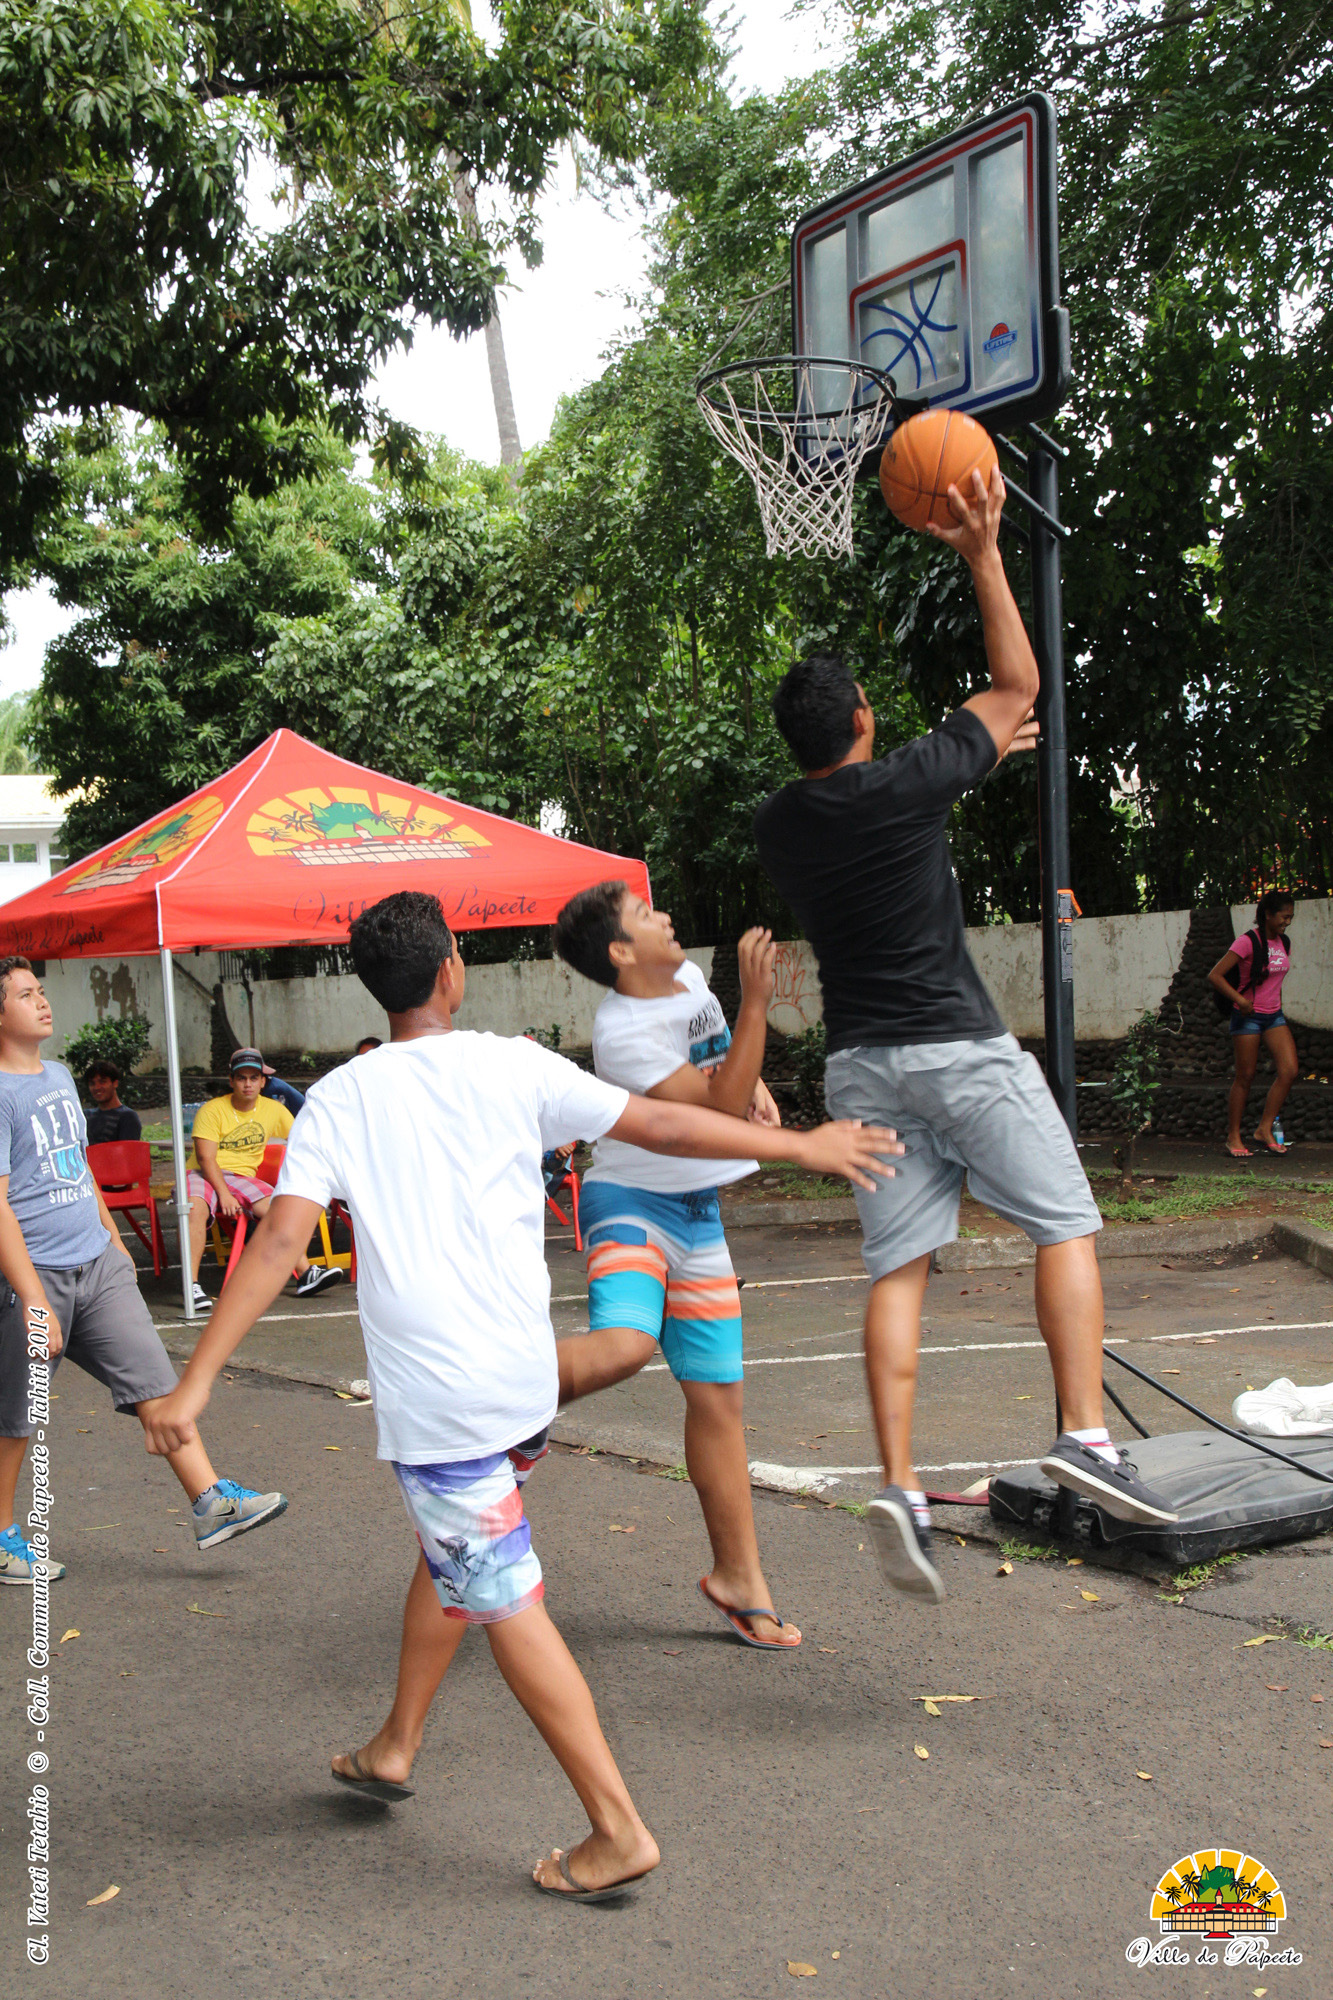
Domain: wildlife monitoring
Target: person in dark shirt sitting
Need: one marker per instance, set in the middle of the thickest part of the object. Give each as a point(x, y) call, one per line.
point(110, 1120)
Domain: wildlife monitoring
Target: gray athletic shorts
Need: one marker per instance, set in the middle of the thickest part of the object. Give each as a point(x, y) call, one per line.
point(108, 1331)
point(977, 1107)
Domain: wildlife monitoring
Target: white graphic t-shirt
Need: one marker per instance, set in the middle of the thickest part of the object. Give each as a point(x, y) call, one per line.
point(639, 1043)
point(435, 1145)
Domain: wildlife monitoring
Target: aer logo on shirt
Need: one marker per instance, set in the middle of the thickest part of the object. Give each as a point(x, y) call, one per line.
point(58, 1142)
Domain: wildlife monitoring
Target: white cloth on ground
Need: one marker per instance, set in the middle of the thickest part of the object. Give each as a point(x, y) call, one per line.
point(1283, 1410)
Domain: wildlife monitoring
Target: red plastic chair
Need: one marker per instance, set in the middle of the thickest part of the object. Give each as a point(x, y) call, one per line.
point(123, 1170)
point(569, 1179)
point(268, 1170)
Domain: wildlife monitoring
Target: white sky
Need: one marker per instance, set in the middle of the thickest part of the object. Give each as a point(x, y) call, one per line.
point(558, 320)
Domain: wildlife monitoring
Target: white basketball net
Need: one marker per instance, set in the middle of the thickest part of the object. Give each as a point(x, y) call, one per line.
point(803, 464)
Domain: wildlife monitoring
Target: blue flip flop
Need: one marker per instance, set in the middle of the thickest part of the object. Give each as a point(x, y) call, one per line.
point(734, 1616)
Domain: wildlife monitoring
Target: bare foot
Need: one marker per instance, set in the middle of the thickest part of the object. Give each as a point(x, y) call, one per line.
point(1238, 1151)
point(599, 1861)
point(384, 1756)
point(761, 1627)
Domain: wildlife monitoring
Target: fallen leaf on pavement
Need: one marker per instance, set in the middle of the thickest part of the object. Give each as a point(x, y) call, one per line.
point(1073, 1562)
point(73, 1633)
point(100, 1527)
point(333, 1447)
point(1170, 1371)
point(1276, 1687)
point(159, 1552)
point(1005, 1569)
point(1325, 1746)
point(930, 1707)
point(673, 1652)
point(616, 1529)
point(1145, 1775)
point(1316, 1697)
point(920, 1750)
point(799, 1971)
point(199, 1611)
point(1090, 1597)
point(1022, 1399)
point(946, 1697)
point(960, 1541)
point(1259, 1992)
point(1264, 1639)
point(859, 1547)
point(828, 1649)
point(105, 1896)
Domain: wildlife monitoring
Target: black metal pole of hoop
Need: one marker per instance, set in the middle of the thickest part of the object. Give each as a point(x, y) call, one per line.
point(1057, 954)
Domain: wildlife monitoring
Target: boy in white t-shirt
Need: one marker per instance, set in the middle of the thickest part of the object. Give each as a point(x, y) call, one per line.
point(434, 1143)
point(659, 1271)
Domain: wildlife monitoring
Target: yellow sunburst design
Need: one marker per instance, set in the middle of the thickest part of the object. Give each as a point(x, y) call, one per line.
point(163, 841)
point(338, 825)
point(1195, 1894)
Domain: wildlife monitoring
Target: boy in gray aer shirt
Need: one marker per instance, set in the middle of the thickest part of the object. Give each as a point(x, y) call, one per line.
point(61, 1256)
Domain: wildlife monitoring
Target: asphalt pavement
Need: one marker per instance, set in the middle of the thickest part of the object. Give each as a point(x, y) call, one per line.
point(1113, 1730)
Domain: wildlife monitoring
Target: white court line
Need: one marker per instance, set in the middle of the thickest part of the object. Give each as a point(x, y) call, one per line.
point(814, 1478)
point(268, 1319)
point(781, 1284)
point(1002, 1346)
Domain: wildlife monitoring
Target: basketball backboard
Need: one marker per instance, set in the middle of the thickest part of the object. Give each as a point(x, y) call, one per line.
point(943, 270)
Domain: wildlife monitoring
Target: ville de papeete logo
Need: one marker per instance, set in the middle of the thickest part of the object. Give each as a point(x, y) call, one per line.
point(339, 825)
point(162, 841)
point(1224, 1898)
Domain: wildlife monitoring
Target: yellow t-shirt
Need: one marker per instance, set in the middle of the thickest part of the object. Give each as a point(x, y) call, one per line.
point(241, 1136)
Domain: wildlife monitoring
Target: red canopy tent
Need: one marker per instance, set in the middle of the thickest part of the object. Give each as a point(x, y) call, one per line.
point(287, 848)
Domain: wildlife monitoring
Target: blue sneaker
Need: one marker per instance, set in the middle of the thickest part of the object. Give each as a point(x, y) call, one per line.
point(230, 1509)
point(18, 1559)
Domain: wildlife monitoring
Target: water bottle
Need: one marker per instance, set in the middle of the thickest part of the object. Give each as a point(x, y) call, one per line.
point(1277, 1132)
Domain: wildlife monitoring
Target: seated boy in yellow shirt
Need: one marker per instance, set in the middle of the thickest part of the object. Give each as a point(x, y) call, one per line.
point(230, 1135)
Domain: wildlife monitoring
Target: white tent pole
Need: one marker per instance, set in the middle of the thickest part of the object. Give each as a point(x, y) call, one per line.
point(182, 1204)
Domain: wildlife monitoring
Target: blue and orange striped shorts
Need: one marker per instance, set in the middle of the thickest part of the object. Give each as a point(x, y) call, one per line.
point(660, 1263)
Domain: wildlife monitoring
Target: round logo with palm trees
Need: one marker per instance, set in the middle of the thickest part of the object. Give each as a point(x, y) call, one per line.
point(1218, 1893)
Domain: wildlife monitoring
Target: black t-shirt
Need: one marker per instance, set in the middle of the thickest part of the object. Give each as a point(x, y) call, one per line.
point(105, 1127)
point(863, 858)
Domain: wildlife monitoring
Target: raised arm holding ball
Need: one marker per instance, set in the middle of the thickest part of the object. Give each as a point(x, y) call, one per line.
point(859, 847)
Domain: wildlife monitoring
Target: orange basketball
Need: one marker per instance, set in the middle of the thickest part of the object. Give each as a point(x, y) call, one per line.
point(927, 455)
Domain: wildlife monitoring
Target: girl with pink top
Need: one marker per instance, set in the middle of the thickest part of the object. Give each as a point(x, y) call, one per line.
point(1250, 975)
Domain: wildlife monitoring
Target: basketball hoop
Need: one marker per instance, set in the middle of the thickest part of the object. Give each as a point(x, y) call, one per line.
point(800, 424)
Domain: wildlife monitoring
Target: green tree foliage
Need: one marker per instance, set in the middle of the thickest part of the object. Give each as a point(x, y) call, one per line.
point(15, 722)
point(134, 278)
point(120, 1042)
point(597, 645)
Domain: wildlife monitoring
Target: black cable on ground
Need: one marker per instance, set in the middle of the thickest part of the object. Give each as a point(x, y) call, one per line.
point(1241, 1437)
point(1127, 1414)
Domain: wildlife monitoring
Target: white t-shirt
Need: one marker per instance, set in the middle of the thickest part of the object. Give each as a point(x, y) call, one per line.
point(435, 1146)
point(639, 1043)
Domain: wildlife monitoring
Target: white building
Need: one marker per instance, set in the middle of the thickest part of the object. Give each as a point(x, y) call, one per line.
point(30, 821)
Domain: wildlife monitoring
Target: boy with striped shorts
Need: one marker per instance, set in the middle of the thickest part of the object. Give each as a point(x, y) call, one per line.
point(659, 1271)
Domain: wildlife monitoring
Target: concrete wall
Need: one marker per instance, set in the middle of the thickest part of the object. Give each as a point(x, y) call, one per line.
point(1122, 967)
point(334, 1013)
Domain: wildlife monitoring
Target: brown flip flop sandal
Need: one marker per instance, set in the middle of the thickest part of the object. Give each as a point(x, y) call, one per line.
point(386, 1790)
point(576, 1893)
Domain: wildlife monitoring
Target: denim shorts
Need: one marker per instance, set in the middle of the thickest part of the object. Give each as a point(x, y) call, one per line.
point(1256, 1024)
point(976, 1107)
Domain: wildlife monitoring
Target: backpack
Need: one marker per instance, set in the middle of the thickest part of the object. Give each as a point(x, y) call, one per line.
point(1220, 1001)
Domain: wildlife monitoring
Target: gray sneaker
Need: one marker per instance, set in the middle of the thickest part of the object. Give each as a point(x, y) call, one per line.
point(233, 1510)
point(903, 1548)
point(1114, 1485)
point(18, 1559)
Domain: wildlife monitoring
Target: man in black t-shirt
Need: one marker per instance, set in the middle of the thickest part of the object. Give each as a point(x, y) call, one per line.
point(110, 1120)
point(860, 850)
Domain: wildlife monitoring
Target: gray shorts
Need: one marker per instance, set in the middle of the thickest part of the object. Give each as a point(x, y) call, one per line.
point(977, 1107)
point(108, 1332)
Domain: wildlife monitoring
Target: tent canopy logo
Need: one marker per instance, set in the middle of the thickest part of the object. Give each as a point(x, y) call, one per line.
point(333, 826)
point(163, 841)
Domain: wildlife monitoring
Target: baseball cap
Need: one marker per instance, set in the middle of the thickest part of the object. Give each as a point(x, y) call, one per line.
point(249, 1059)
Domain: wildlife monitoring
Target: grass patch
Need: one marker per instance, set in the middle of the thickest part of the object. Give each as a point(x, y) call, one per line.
point(856, 1508)
point(1196, 1194)
point(1310, 1635)
point(1028, 1551)
point(1198, 1575)
point(674, 1472)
